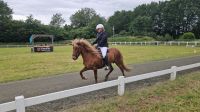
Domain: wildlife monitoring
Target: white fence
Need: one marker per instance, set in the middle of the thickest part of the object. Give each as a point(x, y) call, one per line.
point(20, 102)
point(10, 46)
point(170, 43)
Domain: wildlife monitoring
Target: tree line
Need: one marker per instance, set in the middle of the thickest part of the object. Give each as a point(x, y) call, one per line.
point(166, 20)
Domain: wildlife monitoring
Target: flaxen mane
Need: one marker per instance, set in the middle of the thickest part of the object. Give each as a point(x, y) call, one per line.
point(84, 43)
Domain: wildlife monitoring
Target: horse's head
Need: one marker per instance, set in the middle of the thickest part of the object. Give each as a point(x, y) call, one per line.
point(83, 46)
point(76, 49)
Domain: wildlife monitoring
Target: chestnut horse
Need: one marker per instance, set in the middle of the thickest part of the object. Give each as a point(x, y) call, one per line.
point(92, 59)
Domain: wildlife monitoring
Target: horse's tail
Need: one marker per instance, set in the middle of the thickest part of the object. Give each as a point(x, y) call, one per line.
point(119, 61)
point(125, 67)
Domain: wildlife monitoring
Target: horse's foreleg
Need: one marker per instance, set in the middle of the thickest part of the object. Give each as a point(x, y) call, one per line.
point(111, 69)
point(81, 73)
point(95, 76)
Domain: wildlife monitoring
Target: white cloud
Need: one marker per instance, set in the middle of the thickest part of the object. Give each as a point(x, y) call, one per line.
point(19, 17)
point(44, 9)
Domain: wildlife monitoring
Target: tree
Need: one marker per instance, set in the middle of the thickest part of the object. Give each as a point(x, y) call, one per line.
point(5, 11)
point(83, 24)
point(67, 27)
point(82, 17)
point(166, 20)
point(120, 20)
point(141, 25)
point(177, 17)
point(87, 31)
point(150, 10)
point(32, 25)
point(5, 18)
point(57, 20)
point(31, 21)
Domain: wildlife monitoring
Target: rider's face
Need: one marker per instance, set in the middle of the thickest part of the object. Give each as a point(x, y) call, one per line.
point(99, 30)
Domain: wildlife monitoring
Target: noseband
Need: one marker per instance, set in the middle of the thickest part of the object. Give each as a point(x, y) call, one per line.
point(77, 54)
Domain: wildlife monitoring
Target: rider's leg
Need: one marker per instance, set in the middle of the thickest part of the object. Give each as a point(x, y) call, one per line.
point(108, 64)
point(105, 58)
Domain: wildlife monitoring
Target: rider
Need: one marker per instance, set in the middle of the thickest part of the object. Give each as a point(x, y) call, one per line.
point(102, 44)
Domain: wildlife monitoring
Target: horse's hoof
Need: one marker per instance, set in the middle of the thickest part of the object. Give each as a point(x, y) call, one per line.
point(106, 80)
point(84, 78)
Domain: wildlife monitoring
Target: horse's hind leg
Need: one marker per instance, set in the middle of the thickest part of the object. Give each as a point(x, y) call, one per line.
point(121, 68)
point(111, 69)
point(95, 76)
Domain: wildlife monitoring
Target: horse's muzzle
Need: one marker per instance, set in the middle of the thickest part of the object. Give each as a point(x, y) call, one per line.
point(74, 57)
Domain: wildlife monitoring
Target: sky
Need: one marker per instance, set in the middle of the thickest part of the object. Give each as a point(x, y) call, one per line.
point(44, 9)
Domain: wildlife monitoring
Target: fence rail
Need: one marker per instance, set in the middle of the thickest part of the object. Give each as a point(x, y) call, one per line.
point(170, 43)
point(20, 102)
point(10, 46)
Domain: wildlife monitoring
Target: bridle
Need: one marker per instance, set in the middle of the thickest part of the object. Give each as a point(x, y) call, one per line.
point(76, 55)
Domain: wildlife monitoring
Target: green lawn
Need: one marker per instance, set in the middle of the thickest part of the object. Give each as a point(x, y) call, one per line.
point(181, 95)
point(20, 63)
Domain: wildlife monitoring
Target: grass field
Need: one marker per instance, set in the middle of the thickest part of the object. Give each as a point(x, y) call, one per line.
point(20, 63)
point(181, 95)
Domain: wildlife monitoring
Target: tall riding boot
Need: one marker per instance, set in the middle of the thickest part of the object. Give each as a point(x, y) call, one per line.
point(108, 65)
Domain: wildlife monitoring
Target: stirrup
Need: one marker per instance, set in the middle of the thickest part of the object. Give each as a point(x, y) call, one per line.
point(106, 68)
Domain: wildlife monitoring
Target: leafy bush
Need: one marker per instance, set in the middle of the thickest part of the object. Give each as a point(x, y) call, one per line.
point(130, 39)
point(124, 33)
point(167, 37)
point(187, 36)
point(151, 34)
point(82, 32)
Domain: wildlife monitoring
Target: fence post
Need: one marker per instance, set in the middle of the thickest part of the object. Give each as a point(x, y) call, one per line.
point(173, 74)
point(20, 107)
point(121, 85)
point(195, 43)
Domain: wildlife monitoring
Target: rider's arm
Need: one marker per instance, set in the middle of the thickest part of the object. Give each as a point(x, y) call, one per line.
point(97, 39)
